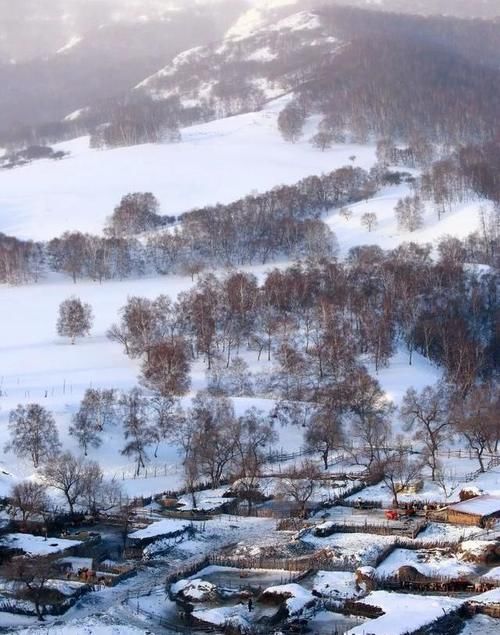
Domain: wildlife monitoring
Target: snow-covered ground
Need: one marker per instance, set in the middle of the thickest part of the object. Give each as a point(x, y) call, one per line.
point(357, 549)
point(217, 162)
point(37, 545)
point(461, 220)
point(404, 613)
point(39, 366)
point(429, 563)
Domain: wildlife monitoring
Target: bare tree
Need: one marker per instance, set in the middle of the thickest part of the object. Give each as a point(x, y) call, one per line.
point(99, 495)
point(346, 213)
point(323, 140)
point(167, 418)
point(291, 122)
point(97, 409)
point(370, 413)
point(214, 439)
point(166, 369)
point(33, 433)
point(254, 435)
point(136, 213)
point(324, 431)
point(71, 475)
point(75, 319)
point(447, 482)
point(409, 213)
point(233, 380)
point(369, 220)
point(30, 577)
point(476, 419)
point(427, 414)
point(119, 334)
point(28, 499)
point(300, 484)
point(399, 468)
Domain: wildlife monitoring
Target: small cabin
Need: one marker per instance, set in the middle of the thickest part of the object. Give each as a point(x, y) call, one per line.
point(482, 511)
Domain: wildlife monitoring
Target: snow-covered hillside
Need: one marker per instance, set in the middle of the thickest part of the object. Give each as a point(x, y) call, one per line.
point(216, 162)
point(268, 52)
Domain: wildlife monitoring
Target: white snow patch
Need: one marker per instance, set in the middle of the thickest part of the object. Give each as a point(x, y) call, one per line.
point(404, 613)
point(162, 528)
point(296, 596)
point(72, 42)
point(38, 545)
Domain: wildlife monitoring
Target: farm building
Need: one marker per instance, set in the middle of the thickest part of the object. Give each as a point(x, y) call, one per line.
point(482, 511)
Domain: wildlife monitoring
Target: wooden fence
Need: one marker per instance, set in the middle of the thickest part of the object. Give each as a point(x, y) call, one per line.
point(316, 561)
point(379, 529)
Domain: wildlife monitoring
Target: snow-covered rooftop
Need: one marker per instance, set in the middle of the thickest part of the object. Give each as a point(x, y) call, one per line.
point(169, 526)
point(480, 505)
point(38, 545)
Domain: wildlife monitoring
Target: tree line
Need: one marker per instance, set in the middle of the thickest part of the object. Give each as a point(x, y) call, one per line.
point(447, 67)
point(283, 222)
point(318, 326)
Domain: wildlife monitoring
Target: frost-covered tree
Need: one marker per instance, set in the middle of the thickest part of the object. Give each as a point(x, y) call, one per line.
point(75, 319)
point(136, 213)
point(409, 213)
point(166, 369)
point(291, 122)
point(97, 409)
point(369, 220)
point(33, 433)
point(322, 140)
point(138, 434)
point(167, 417)
point(233, 380)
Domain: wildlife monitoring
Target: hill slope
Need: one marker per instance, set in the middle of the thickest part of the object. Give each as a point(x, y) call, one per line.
point(216, 162)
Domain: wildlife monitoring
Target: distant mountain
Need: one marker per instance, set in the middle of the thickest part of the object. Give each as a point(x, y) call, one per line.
point(457, 8)
point(63, 55)
point(140, 64)
point(249, 67)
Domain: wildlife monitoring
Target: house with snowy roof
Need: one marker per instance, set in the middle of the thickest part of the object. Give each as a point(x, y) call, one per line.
point(482, 511)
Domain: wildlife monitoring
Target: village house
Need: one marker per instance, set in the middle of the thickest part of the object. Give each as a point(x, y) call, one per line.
point(482, 511)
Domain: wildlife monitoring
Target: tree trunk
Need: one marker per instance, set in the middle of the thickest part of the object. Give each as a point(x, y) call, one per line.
point(325, 458)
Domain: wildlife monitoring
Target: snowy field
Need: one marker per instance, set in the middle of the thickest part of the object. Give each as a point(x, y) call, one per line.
point(39, 366)
point(217, 162)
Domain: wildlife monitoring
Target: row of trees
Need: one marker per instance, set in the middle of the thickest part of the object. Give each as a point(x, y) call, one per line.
point(138, 119)
point(352, 416)
point(259, 228)
point(80, 482)
point(367, 305)
point(214, 443)
point(314, 323)
point(283, 222)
